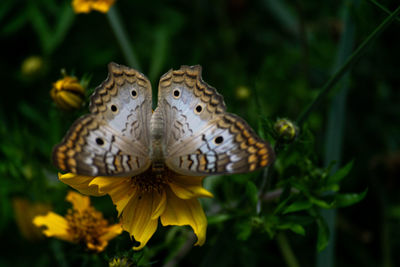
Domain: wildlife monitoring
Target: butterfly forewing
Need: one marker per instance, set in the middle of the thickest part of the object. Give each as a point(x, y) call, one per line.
point(114, 138)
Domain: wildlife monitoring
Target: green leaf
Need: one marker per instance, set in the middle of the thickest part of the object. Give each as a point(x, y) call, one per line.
point(330, 188)
point(15, 24)
point(160, 52)
point(64, 23)
point(282, 204)
point(301, 187)
point(220, 218)
point(40, 25)
point(6, 7)
point(321, 203)
point(344, 200)
point(323, 234)
point(340, 174)
point(296, 228)
point(298, 206)
point(244, 231)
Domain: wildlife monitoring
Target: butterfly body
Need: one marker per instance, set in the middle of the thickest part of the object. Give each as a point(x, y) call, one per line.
point(189, 133)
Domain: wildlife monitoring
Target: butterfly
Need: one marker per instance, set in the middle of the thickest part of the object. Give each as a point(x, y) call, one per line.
point(189, 132)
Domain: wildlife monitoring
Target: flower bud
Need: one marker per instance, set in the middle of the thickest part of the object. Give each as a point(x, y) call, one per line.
point(32, 67)
point(242, 92)
point(286, 130)
point(68, 93)
point(121, 262)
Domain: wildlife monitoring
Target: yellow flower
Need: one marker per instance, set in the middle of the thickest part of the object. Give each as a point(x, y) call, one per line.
point(81, 224)
point(68, 93)
point(24, 212)
point(85, 6)
point(142, 199)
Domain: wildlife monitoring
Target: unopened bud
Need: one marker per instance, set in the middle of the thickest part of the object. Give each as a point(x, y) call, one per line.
point(32, 67)
point(242, 92)
point(68, 93)
point(120, 262)
point(286, 130)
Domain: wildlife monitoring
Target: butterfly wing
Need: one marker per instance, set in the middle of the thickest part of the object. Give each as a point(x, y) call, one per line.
point(114, 138)
point(200, 137)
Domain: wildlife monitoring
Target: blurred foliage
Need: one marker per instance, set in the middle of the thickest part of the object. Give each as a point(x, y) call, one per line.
point(268, 59)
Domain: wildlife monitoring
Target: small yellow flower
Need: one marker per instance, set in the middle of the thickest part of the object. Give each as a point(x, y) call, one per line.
point(68, 93)
point(85, 6)
point(24, 212)
point(142, 199)
point(81, 224)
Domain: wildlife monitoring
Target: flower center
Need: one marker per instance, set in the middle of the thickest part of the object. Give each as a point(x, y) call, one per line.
point(87, 225)
point(150, 181)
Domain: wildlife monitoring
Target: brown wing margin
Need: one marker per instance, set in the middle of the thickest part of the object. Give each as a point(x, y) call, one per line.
point(117, 75)
point(64, 153)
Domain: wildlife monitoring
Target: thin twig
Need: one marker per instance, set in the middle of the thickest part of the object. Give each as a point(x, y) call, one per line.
point(272, 195)
point(266, 180)
point(286, 250)
point(347, 65)
point(383, 8)
point(185, 248)
point(263, 188)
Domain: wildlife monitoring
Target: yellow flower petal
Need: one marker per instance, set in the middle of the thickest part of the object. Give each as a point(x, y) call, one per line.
point(119, 189)
point(107, 183)
point(101, 243)
point(68, 100)
point(80, 183)
point(103, 6)
point(85, 6)
point(187, 187)
point(159, 203)
point(56, 226)
point(185, 212)
point(112, 231)
point(136, 218)
point(99, 246)
point(188, 192)
point(79, 202)
point(80, 7)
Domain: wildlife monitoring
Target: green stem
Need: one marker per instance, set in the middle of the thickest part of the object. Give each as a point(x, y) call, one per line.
point(335, 128)
point(286, 250)
point(349, 63)
point(263, 188)
point(266, 181)
point(383, 8)
point(122, 38)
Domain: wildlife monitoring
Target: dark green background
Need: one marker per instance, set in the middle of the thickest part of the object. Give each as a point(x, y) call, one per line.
point(283, 51)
